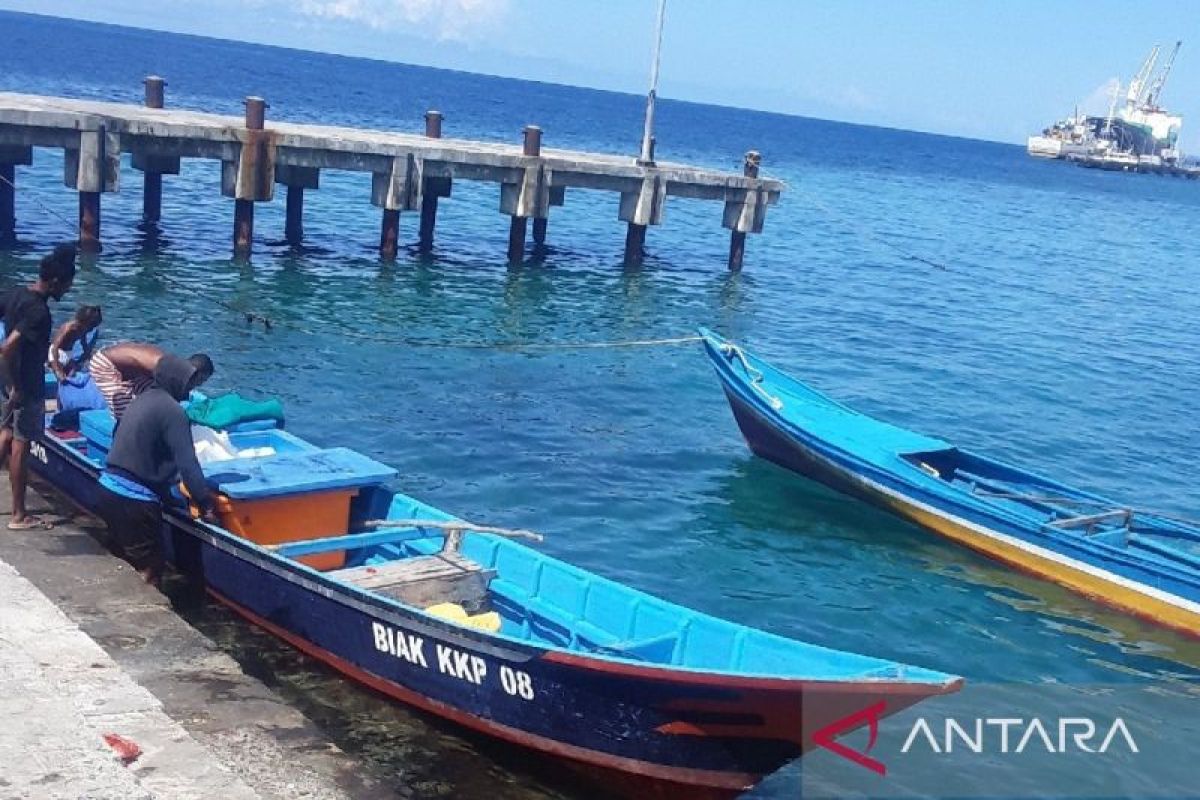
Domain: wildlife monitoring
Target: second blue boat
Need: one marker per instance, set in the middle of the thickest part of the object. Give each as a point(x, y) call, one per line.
point(1142, 562)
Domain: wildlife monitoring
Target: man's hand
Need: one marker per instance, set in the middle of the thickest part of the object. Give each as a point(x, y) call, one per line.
point(209, 515)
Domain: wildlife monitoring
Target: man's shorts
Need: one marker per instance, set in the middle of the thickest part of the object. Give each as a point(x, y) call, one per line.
point(27, 419)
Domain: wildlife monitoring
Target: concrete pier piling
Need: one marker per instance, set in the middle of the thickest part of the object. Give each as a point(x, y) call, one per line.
point(296, 180)
point(251, 178)
point(152, 178)
point(525, 199)
point(8, 204)
point(431, 188)
point(746, 216)
point(409, 171)
point(293, 227)
point(11, 156)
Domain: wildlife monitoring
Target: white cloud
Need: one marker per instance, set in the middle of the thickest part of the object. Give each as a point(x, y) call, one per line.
point(458, 20)
point(1098, 101)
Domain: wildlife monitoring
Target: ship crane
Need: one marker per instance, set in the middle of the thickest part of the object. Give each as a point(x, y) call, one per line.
point(1161, 80)
point(1133, 98)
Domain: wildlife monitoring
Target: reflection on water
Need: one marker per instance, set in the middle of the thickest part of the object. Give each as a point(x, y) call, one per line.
point(417, 754)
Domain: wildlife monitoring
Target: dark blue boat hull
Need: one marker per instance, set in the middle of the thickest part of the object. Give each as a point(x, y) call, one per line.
point(650, 732)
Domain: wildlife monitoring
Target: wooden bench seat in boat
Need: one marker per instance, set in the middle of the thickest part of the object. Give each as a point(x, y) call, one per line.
point(1090, 522)
point(423, 581)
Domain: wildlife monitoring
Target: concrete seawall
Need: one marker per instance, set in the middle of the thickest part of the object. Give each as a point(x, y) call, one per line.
point(87, 649)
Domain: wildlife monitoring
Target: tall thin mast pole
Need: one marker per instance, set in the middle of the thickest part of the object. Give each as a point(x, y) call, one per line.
point(647, 156)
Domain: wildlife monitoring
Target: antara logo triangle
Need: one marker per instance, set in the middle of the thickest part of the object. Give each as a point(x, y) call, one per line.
point(826, 737)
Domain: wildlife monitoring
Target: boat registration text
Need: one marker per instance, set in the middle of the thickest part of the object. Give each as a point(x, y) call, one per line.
point(450, 661)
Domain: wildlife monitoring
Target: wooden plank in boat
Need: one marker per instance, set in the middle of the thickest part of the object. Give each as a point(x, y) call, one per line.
point(423, 581)
point(1088, 520)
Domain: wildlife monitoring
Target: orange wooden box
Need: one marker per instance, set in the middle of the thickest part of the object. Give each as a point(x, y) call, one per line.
point(296, 518)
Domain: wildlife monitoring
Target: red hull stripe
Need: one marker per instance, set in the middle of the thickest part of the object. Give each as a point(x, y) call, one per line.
point(645, 769)
point(796, 686)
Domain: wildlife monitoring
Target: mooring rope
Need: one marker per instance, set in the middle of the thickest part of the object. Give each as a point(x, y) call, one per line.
point(864, 233)
point(756, 376)
point(268, 323)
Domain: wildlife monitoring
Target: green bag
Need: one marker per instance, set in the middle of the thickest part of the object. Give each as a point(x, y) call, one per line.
point(227, 410)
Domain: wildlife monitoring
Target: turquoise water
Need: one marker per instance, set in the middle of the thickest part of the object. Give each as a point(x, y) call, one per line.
point(1061, 334)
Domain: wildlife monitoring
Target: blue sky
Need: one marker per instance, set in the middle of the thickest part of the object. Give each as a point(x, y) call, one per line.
point(986, 69)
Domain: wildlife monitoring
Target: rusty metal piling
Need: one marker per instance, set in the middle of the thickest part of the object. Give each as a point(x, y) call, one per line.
point(431, 187)
point(152, 179)
point(389, 233)
point(519, 203)
point(251, 181)
point(89, 221)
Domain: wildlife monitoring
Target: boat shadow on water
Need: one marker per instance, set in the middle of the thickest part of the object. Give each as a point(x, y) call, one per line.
point(758, 505)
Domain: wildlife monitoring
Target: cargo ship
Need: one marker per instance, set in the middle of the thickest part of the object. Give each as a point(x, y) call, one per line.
point(1138, 134)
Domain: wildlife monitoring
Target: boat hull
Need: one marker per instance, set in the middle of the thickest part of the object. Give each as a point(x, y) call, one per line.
point(768, 439)
point(652, 732)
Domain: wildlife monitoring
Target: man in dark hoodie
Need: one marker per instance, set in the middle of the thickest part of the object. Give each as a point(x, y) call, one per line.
point(152, 449)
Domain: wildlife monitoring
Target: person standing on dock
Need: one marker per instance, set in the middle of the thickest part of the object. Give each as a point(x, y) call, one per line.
point(152, 450)
point(26, 315)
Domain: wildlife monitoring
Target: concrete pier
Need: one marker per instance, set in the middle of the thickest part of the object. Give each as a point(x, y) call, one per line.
point(88, 650)
point(410, 172)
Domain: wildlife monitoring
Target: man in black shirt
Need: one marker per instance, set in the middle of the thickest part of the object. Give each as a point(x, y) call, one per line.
point(26, 317)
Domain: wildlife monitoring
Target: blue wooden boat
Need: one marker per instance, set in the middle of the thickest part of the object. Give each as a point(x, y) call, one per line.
point(653, 699)
point(1143, 562)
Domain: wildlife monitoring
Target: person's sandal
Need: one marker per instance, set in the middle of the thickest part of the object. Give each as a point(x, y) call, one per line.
point(30, 523)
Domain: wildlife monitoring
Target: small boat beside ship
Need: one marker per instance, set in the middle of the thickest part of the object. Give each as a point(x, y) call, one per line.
point(1143, 562)
point(1071, 136)
point(653, 699)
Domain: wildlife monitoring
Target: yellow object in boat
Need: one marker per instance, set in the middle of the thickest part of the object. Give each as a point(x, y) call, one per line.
point(450, 611)
point(488, 622)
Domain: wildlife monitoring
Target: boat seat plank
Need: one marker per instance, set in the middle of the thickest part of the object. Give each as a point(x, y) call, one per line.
point(1122, 515)
point(422, 581)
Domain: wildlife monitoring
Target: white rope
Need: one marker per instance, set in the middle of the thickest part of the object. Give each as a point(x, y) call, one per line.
point(756, 376)
point(863, 232)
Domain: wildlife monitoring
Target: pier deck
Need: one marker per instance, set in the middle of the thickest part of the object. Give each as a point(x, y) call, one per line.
point(410, 171)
